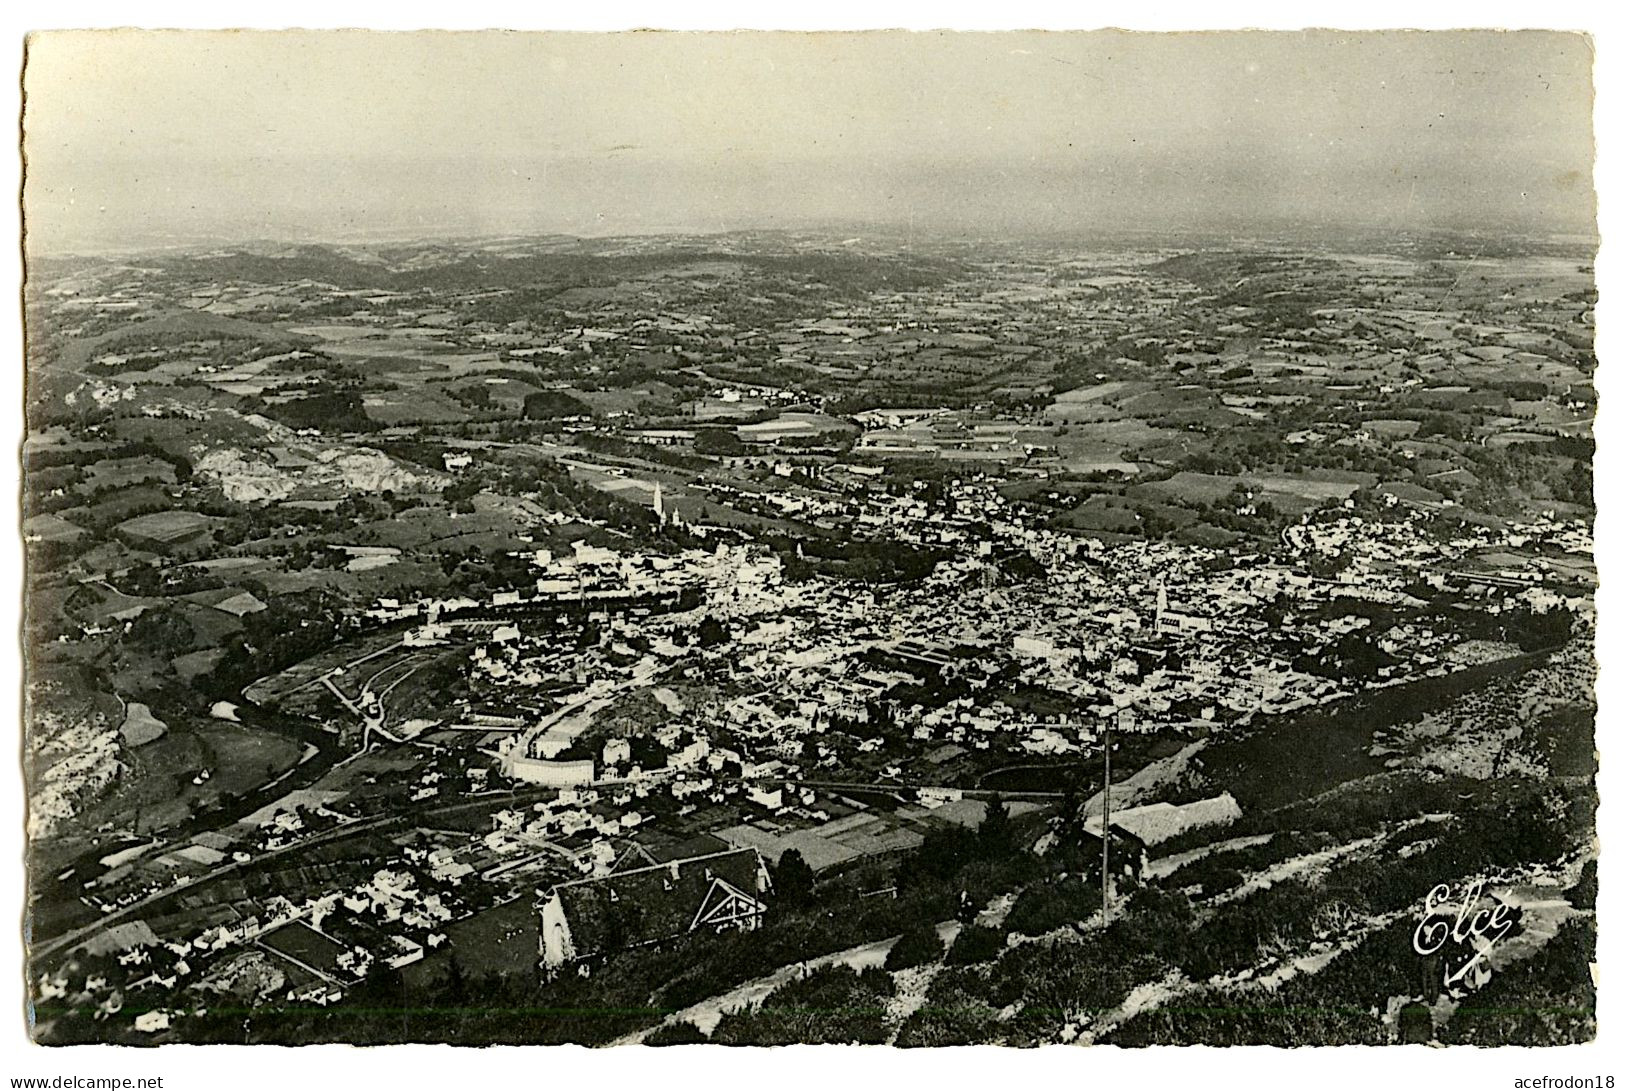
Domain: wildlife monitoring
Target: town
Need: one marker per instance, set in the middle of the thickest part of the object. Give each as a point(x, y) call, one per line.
point(524, 612)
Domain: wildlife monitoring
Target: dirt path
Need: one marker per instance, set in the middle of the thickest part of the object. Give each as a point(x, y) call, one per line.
point(1545, 910)
point(1312, 863)
point(1158, 869)
point(709, 1012)
point(1269, 975)
point(1297, 867)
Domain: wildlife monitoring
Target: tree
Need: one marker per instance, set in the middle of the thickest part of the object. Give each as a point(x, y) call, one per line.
point(299, 557)
point(456, 987)
point(162, 631)
point(1576, 485)
point(385, 993)
point(717, 441)
point(995, 837)
point(712, 633)
point(1583, 894)
point(793, 880)
point(554, 404)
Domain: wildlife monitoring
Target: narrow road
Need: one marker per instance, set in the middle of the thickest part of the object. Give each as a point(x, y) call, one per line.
point(549, 848)
point(40, 950)
point(1040, 765)
point(893, 788)
point(44, 950)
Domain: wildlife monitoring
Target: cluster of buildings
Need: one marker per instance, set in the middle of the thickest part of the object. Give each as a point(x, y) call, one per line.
point(640, 731)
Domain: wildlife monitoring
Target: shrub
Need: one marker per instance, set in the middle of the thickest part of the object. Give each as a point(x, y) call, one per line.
point(1221, 879)
point(954, 1014)
point(1043, 908)
point(976, 943)
point(1548, 999)
point(1583, 894)
point(681, 1033)
point(915, 947)
point(834, 1004)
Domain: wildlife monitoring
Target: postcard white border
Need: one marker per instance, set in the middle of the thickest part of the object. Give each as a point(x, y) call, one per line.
point(408, 1067)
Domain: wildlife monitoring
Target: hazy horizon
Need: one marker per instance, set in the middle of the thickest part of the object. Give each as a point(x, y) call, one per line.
point(133, 137)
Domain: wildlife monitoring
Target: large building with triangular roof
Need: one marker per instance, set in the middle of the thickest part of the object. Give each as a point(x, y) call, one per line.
point(632, 907)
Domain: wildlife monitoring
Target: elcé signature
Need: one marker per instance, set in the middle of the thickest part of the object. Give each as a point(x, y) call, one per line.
point(1468, 925)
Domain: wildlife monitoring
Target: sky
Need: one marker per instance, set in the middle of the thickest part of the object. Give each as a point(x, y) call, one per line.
point(137, 138)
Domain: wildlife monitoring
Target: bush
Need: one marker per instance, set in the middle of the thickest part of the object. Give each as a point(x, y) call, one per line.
point(954, 1014)
point(1583, 894)
point(1220, 879)
point(976, 943)
point(1240, 933)
point(1043, 908)
point(834, 1004)
point(1051, 986)
point(681, 1033)
point(915, 947)
point(1548, 999)
point(703, 965)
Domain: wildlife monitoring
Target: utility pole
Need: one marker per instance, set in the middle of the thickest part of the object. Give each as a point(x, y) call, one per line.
point(1124, 720)
point(1106, 834)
